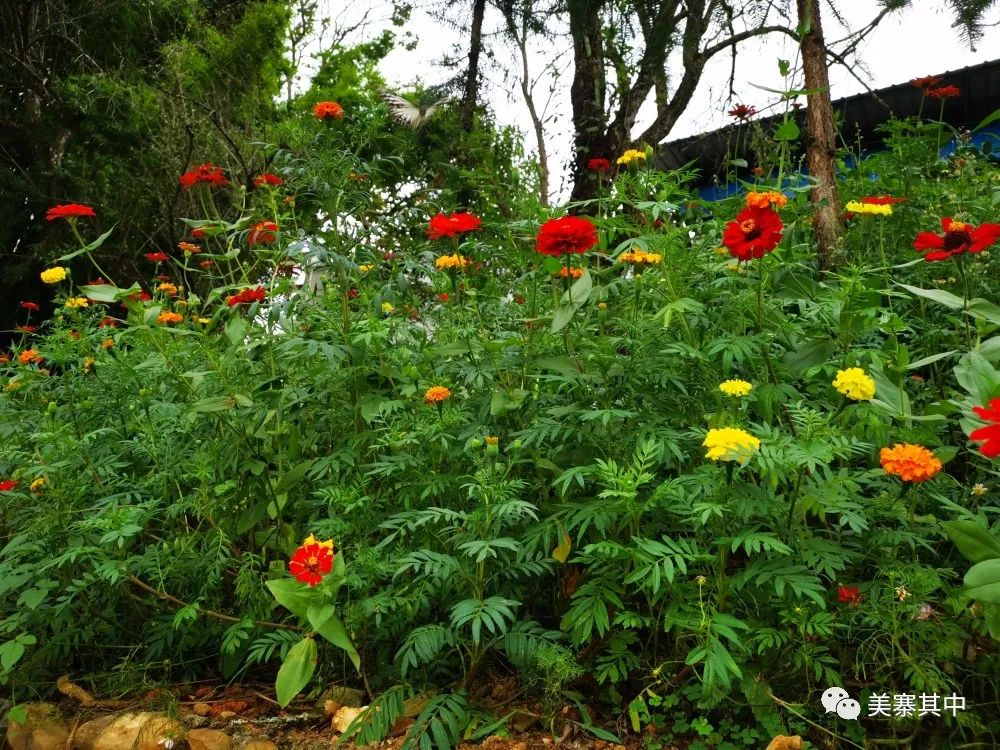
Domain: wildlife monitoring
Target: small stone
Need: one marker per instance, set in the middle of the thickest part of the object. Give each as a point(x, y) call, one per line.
point(202, 709)
point(784, 742)
point(42, 729)
point(345, 696)
point(256, 743)
point(331, 707)
point(227, 714)
point(197, 722)
point(208, 739)
point(140, 730)
point(343, 718)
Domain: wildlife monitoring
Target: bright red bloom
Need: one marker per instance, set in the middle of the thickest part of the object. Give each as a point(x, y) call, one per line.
point(990, 433)
point(198, 233)
point(452, 226)
point(267, 178)
point(742, 112)
point(312, 561)
point(98, 282)
point(849, 595)
point(352, 293)
point(69, 211)
point(328, 111)
point(7, 485)
point(247, 296)
point(926, 82)
point(599, 165)
point(753, 233)
point(108, 322)
point(26, 329)
point(263, 233)
point(958, 238)
point(566, 235)
point(33, 306)
point(882, 200)
point(157, 257)
point(207, 174)
point(944, 92)
point(443, 296)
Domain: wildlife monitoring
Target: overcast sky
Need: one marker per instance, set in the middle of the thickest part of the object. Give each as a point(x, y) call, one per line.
point(915, 42)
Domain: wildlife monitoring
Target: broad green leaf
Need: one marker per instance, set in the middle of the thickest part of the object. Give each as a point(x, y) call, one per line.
point(982, 581)
point(318, 614)
point(335, 632)
point(107, 292)
point(989, 119)
point(929, 360)
point(213, 403)
point(809, 355)
point(984, 310)
point(88, 248)
point(293, 476)
point(296, 671)
point(940, 296)
point(973, 541)
point(787, 131)
point(294, 596)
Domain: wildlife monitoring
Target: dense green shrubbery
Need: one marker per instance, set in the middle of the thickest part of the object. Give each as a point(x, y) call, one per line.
point(556, 513)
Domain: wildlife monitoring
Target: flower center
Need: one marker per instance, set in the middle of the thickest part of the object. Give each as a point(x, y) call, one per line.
point(750, 229)
point(957, 240)
point(957, 226)
point(312, 562)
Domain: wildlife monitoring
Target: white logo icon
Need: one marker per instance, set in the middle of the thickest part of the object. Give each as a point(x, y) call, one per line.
point(837, 700)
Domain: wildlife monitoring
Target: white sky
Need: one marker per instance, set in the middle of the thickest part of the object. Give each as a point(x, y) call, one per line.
point(911, 43)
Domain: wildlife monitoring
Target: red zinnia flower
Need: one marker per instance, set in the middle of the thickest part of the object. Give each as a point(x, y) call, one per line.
point(958, 237)
point(352, 293)
point(743, 112)
point(263, 233)
point(599, 165)
point(267, 179)
point(69, 211)
point(312, 561)
point(198, 233)
point(26, 329)
point(7, 485)
point(882, 200)
point(926, 82)
point(849, 595)
point(944, 92)
point(443, 296)
point(108, 322)
point(157, 257)
point(754, 233)
point(569, 234)
point(247, 296)
point(207, 173)
point(990, 433)
point(452, 226)
point(33, 306)
point(328, 111)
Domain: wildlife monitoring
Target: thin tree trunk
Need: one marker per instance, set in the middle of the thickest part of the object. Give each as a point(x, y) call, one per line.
point(821, 151)
point(472, 74)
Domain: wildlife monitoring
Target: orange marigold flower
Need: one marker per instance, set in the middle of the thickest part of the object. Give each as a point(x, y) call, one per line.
point(169, 318)
point(911, 463)
point(4, 359)
point(189, 247)
point(437, 394)
point(267, 178)
point(327, 111)
point(573, 273)
point(107, 343)
point(311, 561)
point(263, 233)
point(167, 288)
point(766, 199)
point(29, 356)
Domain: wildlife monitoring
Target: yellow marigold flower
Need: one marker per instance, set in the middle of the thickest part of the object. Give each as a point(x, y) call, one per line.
point(365, 267)
point(203, 321)
point(736, 268)
point(169, 318)
point(640, 258)
point(766, 199)
point(855, 384)
point(77, 302)
point(54, 275)
point(436, 394)
point(167, 288)
point(492, 440)
point(387, 308)
point(37, 486)
point(88, 363)
point(107, 343)
point(632, 155)
point(911, 463)
point(602, 306)
point(721, 251)
point(857, 207)
point(447, 262)
point(735, 388)
point(313, 540)
point(730, 444)
point(12, 385)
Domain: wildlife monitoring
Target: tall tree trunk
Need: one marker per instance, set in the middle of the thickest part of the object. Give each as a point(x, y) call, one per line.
point(587, 95)
point(822, 147)
point(472, 74)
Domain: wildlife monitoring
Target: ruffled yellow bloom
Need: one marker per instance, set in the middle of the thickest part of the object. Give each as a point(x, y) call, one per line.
point(730, 444)
point(721, 251)
point(77, 302)
point(88, 363)
point(632, 155)
point(855, 384)
point(54, 275)
point(857, 207)
point(735, 388)
point(640, 258)
point(313, 540)
point(387, 308)
point(766, 199)
point(37, 486)
point(365, 267)
point(447, 262)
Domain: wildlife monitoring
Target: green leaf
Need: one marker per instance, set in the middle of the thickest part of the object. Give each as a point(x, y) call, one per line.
point(335, 632)
point(294, 596)
point(787, 131)
point(236, 331)
point(984, 310)
point(561, 553)
point(807, 356)
point(572, 300)
point(318, 614)
point(562, 317)
point(107, 292)
point(213, 404)
point(293, 476)
point(929, 360)
point(92, 246)
point(983, 581)
point(988, 120)
point(504, 401)
point(973, 541)
point(940, 296)
point(296, 671)
point(10, 653)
